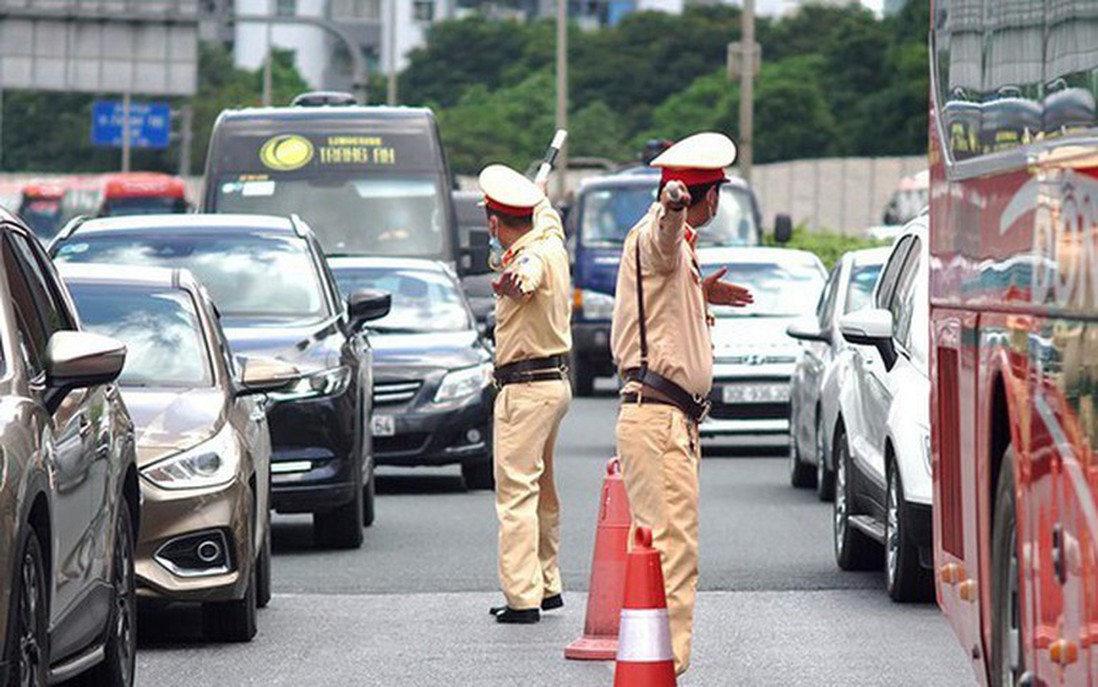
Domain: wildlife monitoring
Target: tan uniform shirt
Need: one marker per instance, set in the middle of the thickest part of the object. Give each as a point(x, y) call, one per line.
point(679, 344)
point(538, 325)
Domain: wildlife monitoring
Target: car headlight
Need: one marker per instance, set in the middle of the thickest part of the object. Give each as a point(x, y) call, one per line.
point(210, 464)
point(331, 382)
point(594, 305)
point(464, 382)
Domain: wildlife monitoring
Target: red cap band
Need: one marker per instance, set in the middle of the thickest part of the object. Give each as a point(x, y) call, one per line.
point(691, 176)
point(512, 210)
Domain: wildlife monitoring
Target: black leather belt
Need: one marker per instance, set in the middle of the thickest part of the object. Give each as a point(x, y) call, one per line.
point(532, 370)
point(694, 407)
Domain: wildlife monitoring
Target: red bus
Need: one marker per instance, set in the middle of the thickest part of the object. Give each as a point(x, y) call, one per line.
point(40, 207)
point(132, 193)
point(1014, 334)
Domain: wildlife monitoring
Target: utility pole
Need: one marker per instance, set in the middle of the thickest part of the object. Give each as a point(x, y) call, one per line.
point(186, 139)
point(267, 67)
point(391, 96)
point(562, 94)
point(126, 131)
point(747, 89)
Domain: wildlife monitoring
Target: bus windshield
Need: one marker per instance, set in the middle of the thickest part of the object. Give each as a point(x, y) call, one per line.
point(375, 215)
point(610, 212)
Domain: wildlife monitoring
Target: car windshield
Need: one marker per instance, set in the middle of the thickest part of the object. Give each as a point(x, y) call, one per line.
point(389, 215)
point(41, 215)
point(609, 214)
point(423, 301)
point(251, 275)
point(862, 280)
point(160, 327)
point(781, 289)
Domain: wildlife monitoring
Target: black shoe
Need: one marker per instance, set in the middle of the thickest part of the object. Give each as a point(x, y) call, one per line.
point(509, 616)
point(552, 603)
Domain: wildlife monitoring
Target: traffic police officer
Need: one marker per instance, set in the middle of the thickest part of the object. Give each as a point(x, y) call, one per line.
point(533, 340)
point(661, 344)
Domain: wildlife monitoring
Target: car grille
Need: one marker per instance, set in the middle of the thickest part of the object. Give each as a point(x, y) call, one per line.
point(750, 411)
point(392, 393)
point(401, 443)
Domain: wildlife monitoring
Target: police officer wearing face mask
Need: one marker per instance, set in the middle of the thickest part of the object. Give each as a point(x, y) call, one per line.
point(661, 343)
point(533, 339)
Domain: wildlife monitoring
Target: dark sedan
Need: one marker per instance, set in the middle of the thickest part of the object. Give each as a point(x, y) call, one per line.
point(432, 370)
point(277, 299)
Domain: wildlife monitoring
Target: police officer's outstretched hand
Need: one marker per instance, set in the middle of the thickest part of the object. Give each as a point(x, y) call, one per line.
point(674, 197)
point(509, 284)
point(719, 292)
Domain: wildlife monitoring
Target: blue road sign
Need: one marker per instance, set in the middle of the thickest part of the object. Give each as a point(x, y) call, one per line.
point(150, 124)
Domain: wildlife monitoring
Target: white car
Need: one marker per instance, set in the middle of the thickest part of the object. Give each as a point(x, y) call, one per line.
point(883, 486)
point(814, 394)
point(753, 357)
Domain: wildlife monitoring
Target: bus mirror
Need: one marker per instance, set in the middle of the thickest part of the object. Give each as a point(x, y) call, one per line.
point(477, 252)
point(783, 228)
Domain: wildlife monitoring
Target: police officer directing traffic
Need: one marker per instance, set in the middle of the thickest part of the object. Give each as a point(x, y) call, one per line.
point(533, 340)
point(661, 343)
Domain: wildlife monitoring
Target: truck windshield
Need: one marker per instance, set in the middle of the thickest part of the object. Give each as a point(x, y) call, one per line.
point(378, 215)
point(608, 213)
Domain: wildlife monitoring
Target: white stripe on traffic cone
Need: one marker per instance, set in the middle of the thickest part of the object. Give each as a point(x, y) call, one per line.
point(644, 636)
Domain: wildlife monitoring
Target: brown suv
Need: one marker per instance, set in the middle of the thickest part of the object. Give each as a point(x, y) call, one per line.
point(203, 446)
point(68, 484)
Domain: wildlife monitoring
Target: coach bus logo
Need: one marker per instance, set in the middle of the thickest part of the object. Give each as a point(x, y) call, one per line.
point(286, 153)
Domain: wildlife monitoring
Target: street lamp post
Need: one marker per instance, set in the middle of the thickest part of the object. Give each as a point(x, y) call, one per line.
point(747, 89)
point(562, 94)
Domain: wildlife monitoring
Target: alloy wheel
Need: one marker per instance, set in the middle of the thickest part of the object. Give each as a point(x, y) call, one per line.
point(840, 494)
point(892, 535)
point(125, 600)
point(1012, 667)
point(30, 651)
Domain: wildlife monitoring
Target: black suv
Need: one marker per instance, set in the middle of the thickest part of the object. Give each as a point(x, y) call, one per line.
point(277, 298)
point(68, 484)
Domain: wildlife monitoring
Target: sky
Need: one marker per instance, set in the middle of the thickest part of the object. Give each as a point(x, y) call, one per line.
point(774, 7)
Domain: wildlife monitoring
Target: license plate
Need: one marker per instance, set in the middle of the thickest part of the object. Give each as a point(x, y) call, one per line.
point(755, 393)
point(382, 426)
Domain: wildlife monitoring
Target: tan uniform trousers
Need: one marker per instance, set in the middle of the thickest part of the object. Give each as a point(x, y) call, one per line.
point(527, 417)
point(660, 452)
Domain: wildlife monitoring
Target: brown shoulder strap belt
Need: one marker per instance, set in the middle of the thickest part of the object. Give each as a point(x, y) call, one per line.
point(696, 407)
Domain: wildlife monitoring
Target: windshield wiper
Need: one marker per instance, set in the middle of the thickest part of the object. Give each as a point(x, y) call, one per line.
point(394, 330)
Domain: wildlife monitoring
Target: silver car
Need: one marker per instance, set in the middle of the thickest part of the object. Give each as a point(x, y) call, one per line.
point(753, 357)
point(814, 396)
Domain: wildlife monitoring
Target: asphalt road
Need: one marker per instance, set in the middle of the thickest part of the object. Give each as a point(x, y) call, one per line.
point(410, 608)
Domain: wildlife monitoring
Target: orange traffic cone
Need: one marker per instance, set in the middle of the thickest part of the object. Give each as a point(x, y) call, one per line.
point(644, 647)
point(600, 629)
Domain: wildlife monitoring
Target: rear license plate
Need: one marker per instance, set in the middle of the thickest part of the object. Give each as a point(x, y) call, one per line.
point(755, 393)
point(382, 426)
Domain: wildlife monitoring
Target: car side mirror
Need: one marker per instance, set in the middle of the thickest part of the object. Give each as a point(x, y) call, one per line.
point(76, 360)
point(808, 330)
point(266, 375)
point(871, 327)
point(783, 228)
point(477, 252)
point(365, 306)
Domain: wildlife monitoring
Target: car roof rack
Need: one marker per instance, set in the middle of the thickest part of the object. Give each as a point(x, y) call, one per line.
point(324, 99)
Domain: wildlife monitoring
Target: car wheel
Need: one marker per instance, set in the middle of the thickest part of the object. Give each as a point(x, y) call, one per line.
point(801, 475)
point(340, 528)
point(479, 474)
point(825, 479)
point(583, 381)
point(853, 549)
point(233, 621)
point(905, 576)
point(27, 617)
point(369, 498)
point(263, 572)
point(1007, 655)
point(119, 661)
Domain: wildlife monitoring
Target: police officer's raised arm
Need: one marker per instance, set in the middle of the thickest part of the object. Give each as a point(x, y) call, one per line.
point(662, 242)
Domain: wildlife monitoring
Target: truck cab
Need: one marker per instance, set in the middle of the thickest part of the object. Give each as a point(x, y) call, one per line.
point(605, 209)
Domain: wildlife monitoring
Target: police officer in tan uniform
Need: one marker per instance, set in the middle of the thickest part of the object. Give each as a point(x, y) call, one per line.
point(661, 344)
point(533, 340)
